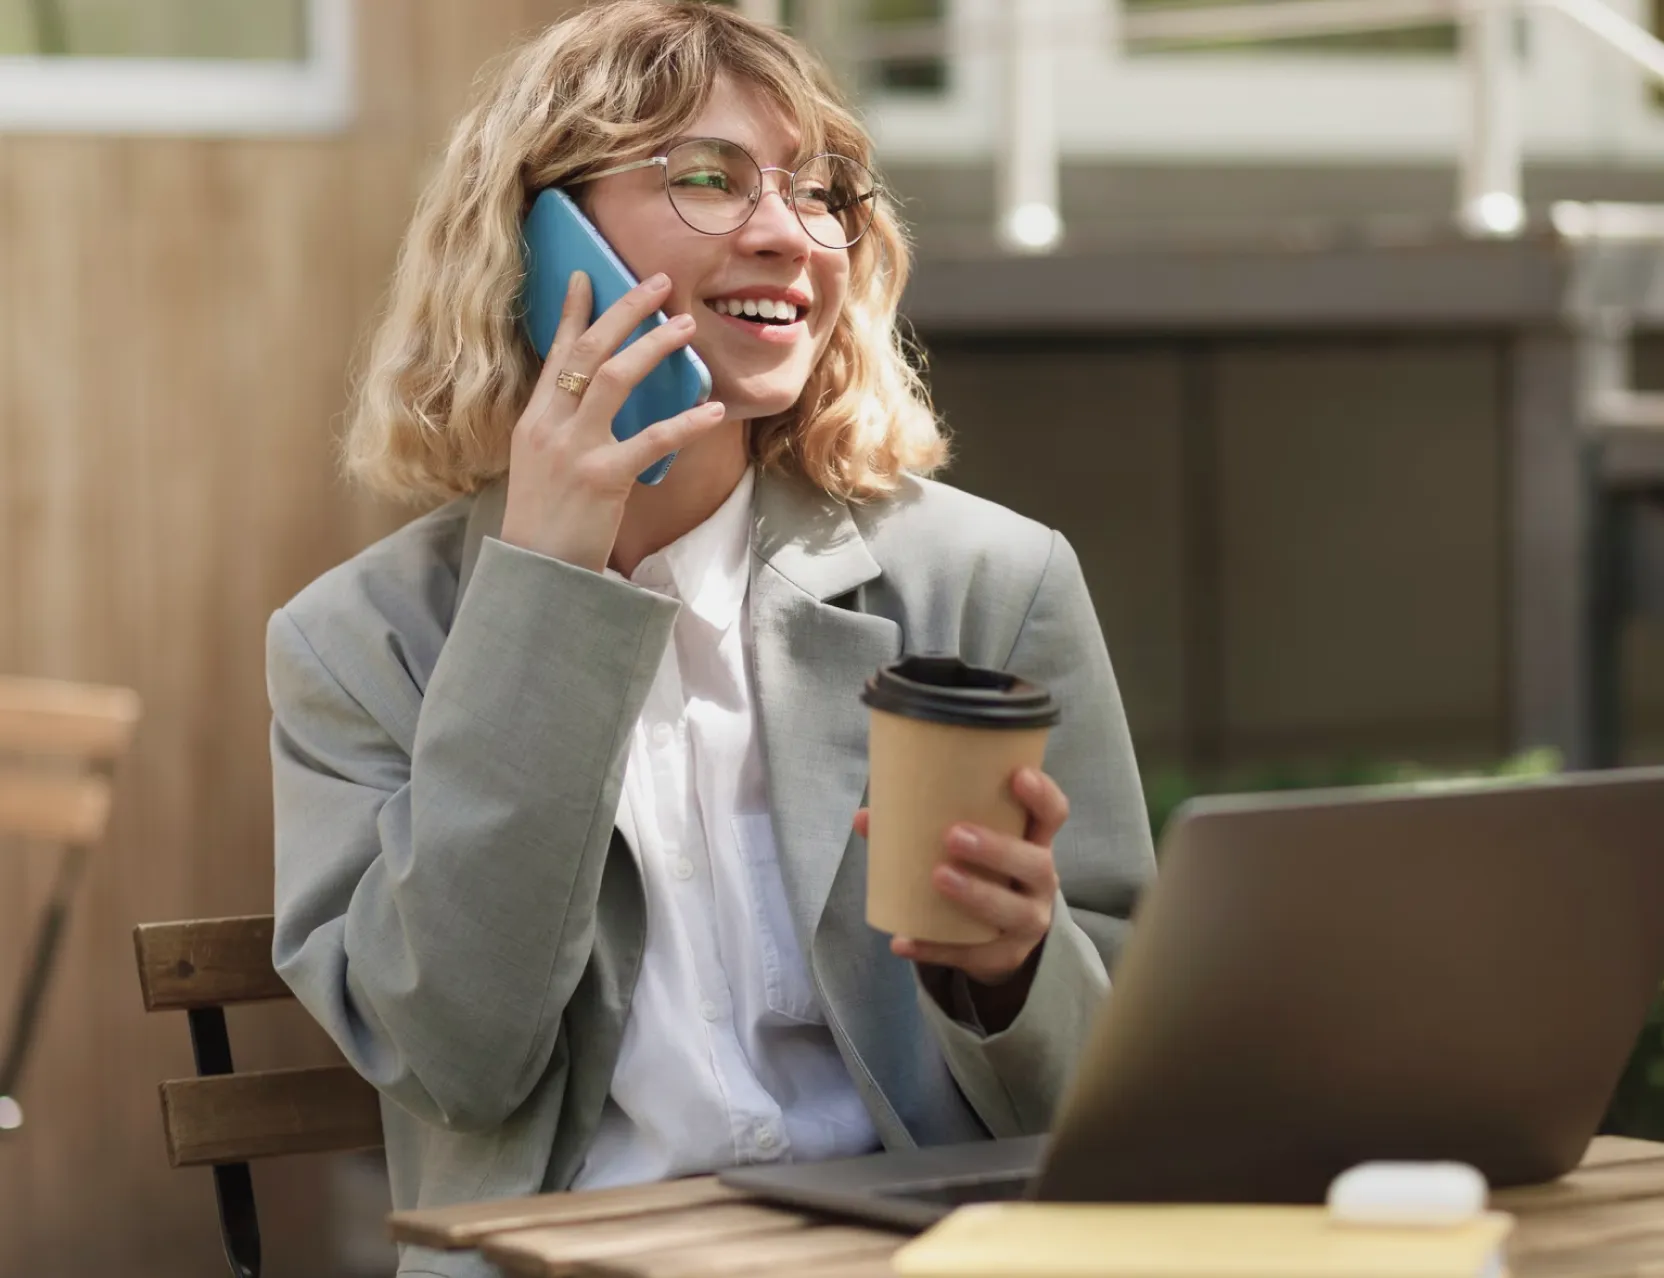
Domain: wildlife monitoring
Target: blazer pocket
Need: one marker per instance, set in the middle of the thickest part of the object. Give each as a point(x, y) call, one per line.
point(786, 985)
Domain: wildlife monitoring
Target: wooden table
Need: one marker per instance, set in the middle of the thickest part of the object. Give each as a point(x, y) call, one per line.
point(1605, 1220)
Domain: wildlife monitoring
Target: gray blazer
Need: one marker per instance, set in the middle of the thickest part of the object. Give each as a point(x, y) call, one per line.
point(456, 908)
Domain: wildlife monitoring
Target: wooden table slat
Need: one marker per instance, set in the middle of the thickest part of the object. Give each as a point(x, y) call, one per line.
point(1587, 1187)
point(559, 1251)
point(1638, 1257)
point(1589, 1227)
point(1604, 1220)
point(1605, 1151)
point(467, 1224)
point(879, 1267)
point(792, 1251)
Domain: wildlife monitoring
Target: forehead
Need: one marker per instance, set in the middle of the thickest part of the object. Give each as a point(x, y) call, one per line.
point(739, 111)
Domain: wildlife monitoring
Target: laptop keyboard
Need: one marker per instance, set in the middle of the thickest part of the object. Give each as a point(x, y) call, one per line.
point(956, 1193)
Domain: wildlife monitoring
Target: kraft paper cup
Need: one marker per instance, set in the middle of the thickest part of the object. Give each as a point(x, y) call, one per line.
point(944, 741)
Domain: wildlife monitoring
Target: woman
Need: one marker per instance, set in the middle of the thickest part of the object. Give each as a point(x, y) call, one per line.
point(569, 856)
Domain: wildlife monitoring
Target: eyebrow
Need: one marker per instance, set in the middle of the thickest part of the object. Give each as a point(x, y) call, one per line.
point(707, 137)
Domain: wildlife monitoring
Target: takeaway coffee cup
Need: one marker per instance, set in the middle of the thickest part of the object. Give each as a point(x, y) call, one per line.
point(945, 739)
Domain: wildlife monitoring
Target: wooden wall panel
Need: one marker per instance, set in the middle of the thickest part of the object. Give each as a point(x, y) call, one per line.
point(1086, 436)
point(1342, 597)
point(1361, 535)
point(176, 318)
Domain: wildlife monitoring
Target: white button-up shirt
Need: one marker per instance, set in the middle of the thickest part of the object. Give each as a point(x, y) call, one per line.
point(726, 1056)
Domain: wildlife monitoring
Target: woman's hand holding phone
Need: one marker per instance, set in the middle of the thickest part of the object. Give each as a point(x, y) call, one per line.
point(568, 478)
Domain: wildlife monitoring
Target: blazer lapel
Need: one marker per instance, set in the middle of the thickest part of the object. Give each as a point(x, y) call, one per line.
point(810, 660)
point(485, 519)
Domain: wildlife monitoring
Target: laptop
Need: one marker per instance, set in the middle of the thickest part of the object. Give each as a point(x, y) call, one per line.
point(1457, 971)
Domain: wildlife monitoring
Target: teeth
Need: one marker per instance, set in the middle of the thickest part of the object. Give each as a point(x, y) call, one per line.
point(759, 308)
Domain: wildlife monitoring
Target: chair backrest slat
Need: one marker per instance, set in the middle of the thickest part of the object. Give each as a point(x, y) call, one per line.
point(54, 807)
point(74, 720)
point(207, 963)
point(231, 1118)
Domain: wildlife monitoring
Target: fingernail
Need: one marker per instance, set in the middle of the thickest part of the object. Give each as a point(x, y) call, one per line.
point(716, 408)
point(572, 282)
point(962, 840)
point(658, 281)
point(951, 878)
point(682, 322)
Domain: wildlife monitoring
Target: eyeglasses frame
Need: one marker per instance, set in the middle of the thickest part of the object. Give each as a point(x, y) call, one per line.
point(662, 163)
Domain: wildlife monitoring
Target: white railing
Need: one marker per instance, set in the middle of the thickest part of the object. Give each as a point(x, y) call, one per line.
point(1030, 33)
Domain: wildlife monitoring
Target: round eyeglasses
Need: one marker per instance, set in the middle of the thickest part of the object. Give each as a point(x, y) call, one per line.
point(715, 186)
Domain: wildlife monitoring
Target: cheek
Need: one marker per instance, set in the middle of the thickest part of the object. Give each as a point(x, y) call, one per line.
point(832, 287)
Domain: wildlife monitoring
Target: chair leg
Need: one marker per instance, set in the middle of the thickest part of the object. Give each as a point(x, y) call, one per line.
point(239, 1223)
point(233, 1184)
point(26, 1019)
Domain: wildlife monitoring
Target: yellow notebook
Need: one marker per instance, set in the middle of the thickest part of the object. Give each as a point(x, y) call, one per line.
point(1067, 1240)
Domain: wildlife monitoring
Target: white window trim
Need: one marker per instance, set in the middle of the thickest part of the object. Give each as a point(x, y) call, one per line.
point(1582, 103)
point(189, 96)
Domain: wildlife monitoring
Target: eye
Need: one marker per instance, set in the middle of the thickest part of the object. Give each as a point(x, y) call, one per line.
point(845, 201)
point(703, 180)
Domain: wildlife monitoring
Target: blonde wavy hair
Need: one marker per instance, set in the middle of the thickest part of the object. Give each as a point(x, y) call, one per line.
point(448, 369)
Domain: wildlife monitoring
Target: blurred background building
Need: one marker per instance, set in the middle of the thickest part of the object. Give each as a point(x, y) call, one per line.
point(1322, 349)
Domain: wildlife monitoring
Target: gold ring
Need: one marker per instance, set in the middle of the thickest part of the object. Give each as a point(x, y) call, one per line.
point(576, 383)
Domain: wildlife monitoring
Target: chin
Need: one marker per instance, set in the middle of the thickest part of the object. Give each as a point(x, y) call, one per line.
point(749, 402)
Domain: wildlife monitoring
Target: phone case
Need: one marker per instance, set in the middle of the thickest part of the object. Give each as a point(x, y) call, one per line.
point(559, 239)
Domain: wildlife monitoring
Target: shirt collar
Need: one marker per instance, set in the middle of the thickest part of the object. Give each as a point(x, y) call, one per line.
point(709, 566)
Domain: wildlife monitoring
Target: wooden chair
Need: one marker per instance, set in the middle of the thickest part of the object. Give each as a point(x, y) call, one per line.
point(59, 745)
point(224, 1119)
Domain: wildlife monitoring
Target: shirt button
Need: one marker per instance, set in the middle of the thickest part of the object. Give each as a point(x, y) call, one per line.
point(682, 868)
point(766, 1137)
point(662, 734)
point(708, 1010)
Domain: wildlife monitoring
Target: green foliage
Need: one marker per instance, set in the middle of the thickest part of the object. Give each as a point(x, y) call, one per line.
point(1165, 790)
point(1637, 1106)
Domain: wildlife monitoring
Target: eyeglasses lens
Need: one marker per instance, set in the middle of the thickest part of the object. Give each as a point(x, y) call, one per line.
point(714, 186)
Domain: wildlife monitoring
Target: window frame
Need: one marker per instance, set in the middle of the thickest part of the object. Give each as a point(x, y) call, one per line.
point(189, 96)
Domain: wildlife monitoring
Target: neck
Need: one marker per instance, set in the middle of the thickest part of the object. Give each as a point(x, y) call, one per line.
point(700, 479)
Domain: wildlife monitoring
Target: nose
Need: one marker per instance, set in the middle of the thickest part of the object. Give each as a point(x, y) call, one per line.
point(773, 227)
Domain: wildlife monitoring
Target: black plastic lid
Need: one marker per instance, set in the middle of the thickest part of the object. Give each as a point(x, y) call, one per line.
point(946, 690)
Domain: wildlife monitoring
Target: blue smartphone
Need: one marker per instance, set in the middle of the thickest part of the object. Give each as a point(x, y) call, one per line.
point(559, 239)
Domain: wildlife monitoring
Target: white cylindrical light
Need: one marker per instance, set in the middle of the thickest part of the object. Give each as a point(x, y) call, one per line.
point(1029, 217)
point(1492, 152)
point(1032, 227)
point(1499, 213)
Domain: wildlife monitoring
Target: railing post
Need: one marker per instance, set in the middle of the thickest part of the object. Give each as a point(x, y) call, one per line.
point(1492, 160)
point(1029, 217)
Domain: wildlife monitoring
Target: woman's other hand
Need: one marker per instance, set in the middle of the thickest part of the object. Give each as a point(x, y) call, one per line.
point(1007, 882)
point(568, 478)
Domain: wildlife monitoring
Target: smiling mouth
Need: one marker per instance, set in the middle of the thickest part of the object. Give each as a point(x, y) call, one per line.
point(757, 310)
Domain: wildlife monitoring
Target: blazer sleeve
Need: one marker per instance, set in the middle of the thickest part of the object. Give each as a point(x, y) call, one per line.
point(435, 896)
point(1015, 1078)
